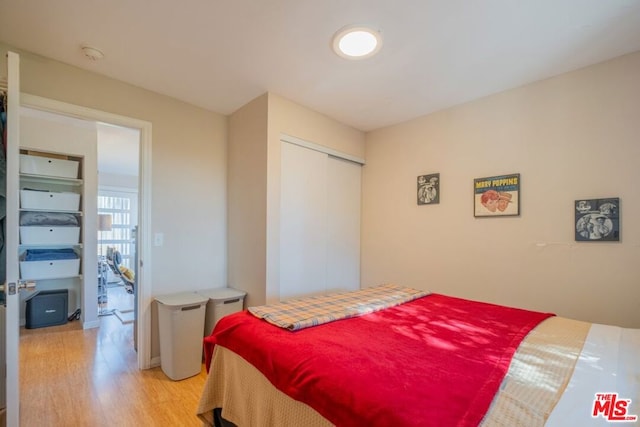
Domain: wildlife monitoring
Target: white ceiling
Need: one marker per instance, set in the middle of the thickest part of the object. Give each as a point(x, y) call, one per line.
point(221, 54)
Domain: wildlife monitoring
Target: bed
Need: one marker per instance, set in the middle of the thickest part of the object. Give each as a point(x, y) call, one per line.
point(395, 356)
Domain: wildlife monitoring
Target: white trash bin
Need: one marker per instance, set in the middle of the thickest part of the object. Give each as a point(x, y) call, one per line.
point(222, 301)
point(180, 320)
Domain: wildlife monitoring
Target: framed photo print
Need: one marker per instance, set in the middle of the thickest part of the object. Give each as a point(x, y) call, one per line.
point(496, 196)
point(429, 189)
point(597, 220)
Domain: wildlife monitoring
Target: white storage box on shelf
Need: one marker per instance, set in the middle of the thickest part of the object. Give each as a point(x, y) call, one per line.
point(47, 166)
point(222, 301)
point(180, 321)
point(49, 200)
point(49, 269)
point(39, 235)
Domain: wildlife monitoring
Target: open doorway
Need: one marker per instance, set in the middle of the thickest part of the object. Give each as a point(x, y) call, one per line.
point(142, 253)
point(118, 176)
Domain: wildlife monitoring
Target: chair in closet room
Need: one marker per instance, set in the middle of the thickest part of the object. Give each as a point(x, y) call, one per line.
point(114, 260)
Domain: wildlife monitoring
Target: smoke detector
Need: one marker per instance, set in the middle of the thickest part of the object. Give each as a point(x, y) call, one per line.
point(93, 53)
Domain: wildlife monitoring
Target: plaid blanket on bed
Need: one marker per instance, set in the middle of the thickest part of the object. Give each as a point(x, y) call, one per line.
point(302, 313)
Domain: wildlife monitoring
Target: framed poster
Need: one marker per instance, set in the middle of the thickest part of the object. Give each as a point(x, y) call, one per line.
point(429, 189)
point(497, 195)
point(597, 220)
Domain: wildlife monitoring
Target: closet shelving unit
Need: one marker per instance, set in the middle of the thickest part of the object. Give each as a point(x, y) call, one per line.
point(53, 274)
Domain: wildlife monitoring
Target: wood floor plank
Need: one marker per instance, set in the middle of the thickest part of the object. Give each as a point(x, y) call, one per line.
point(75, 377)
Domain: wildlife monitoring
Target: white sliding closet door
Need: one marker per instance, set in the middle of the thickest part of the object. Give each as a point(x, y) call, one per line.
point(303, 221)
point(343, 224)
point(319, 222)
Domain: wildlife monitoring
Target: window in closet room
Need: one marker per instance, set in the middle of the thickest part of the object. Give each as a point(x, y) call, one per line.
point(121, 208)
point(117, 213)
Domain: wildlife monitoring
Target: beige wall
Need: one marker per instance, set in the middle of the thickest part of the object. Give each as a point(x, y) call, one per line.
point(247, 163)
point(293, 119)
point(117, 180)
point(570, 137)
point(254, 185)
point(188, 169)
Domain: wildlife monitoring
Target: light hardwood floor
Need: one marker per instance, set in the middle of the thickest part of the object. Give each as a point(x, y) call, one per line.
point(75, 377)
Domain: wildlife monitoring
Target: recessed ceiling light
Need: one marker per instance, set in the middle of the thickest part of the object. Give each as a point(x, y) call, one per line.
point(357, 42)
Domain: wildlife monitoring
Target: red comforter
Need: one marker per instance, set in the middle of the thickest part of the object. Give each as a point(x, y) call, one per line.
point(435, 361)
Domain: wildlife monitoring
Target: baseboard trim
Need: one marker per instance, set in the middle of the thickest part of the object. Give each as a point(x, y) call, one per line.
point(91, 325)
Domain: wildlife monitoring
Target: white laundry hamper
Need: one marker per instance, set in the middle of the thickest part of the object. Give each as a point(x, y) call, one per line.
point(181, 320)
point(221, 302)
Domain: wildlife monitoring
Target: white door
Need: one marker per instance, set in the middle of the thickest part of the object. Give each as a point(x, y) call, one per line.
point(303, 221)
point(344, 179)
point(12, 322)
point(319, 222)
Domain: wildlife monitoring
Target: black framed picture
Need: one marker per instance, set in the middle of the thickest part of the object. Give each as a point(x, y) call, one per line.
point(497, 195)
point(429, 189)
point(597, 220)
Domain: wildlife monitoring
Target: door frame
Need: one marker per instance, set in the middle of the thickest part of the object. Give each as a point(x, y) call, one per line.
point(12, 312)
point(144, 205)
